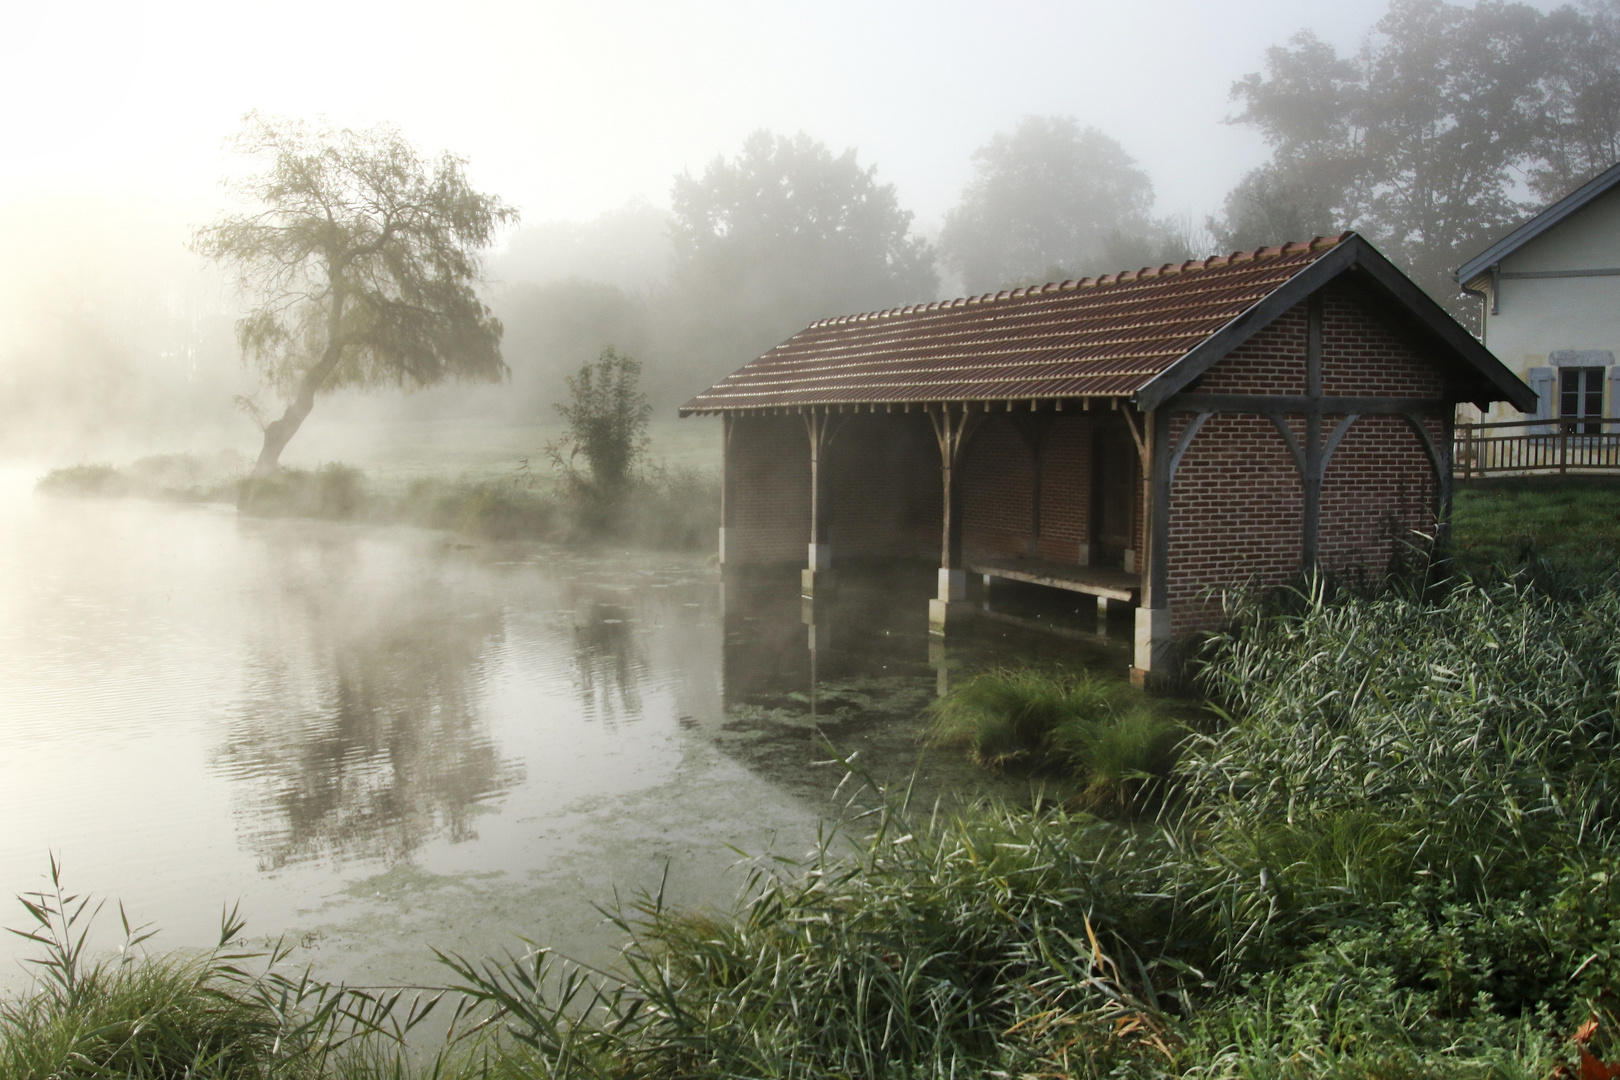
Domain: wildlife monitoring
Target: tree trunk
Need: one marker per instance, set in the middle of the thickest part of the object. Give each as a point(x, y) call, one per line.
point(278, 433)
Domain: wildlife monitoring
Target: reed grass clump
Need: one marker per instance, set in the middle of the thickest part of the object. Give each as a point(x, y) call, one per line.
point(202, 1016)
point(1112, 738)
point(1394, 853)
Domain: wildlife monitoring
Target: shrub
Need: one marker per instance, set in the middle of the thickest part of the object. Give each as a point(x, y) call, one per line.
point(334, 491)
point(100, 480)
point(607, 422)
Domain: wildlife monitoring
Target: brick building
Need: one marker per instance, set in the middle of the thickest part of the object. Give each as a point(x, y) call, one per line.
point(1147, 437)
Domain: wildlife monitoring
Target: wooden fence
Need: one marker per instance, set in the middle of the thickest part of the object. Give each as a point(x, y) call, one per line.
point(1536, 447)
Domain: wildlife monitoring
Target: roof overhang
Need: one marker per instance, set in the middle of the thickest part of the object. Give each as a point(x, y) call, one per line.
point(1559, 211)
point(1353, 256)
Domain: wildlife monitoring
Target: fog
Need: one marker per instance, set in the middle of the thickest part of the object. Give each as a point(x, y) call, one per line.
point(629, 143)
point(117, 339)
point(433, 683)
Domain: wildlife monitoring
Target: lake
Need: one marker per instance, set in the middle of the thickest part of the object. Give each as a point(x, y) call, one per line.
point(382, 739)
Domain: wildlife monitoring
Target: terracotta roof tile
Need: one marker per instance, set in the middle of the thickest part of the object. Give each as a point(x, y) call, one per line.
point(1106, 336)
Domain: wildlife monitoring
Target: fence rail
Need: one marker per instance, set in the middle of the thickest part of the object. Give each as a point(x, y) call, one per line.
point(1536, 447)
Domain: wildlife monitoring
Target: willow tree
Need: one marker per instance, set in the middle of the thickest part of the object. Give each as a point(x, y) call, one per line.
point(363, 257)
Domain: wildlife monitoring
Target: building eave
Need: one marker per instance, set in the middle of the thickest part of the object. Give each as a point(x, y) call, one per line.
point(1470, 272)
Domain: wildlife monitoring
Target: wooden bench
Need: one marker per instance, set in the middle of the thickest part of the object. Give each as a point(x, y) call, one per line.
point(1106, 582)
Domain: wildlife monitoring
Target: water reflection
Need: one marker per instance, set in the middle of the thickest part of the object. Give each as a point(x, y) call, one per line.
point(857, 668)
point(361, 733)
point(609, 659)
point(391, 741)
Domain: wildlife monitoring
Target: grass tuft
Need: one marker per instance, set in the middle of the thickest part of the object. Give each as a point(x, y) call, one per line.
point(1061, 722)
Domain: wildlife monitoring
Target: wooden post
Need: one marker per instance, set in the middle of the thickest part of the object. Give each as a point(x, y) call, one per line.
point(1153, 617)
point(1448, 447)
point(817, 575)
point(952, 429)
point(727, 423)
point(1310, 541)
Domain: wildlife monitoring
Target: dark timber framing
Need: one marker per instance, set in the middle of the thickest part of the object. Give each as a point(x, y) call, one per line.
point(822, 428)
point(953, 428)
point(949, 359)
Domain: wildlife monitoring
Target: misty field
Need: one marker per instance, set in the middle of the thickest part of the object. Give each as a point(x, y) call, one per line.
point(482, 481)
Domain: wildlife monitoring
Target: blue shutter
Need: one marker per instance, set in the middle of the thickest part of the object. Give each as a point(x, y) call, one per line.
point(1544, 382)
point(1614, 393)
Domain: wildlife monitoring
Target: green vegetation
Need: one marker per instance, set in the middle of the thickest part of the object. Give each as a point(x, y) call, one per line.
point(1391, 853)
point(1074, 723)
point(607, 418)
point(171, 477)
point(1501, 521)
point(658, 506)
point(1394, 856)
point(199, 1017)
point(1391, 849)
point(364, 257)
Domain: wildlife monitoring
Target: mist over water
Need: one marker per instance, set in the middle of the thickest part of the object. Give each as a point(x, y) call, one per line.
point(380, 739)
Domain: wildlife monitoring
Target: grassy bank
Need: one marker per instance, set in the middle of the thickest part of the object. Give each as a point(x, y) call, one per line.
point(1501, 521)
point(1391, 853)
point(660, 506)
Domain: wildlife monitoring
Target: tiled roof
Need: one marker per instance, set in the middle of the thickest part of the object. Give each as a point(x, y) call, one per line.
point(1097, 337)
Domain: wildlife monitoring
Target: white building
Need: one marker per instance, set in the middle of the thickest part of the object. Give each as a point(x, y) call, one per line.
point(1551, 296)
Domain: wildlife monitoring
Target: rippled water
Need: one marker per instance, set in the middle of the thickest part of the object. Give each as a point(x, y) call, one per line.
point(381, 739)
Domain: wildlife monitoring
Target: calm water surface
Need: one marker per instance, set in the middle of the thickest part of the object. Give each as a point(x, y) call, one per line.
point(380, 739)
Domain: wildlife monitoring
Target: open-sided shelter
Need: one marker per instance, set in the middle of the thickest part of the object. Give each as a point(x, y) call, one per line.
point(1150, 437)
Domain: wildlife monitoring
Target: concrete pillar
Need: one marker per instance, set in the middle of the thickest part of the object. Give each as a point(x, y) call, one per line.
point(1152, 655)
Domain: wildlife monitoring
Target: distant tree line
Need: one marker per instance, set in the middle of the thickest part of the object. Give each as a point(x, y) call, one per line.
point(1444, 128)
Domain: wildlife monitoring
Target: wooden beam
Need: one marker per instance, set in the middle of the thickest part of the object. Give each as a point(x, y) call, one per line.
point(1280, 422)
point(728, 424)
point(821, 430)
point(1299, 405)
point(1439, 461)
point(1187, 436)
point(1311, 518)
point(953, 430)
point(1158, 507)
point(1137, 436)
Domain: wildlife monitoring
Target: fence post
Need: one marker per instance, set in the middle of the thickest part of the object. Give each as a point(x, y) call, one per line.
point(1563, 446)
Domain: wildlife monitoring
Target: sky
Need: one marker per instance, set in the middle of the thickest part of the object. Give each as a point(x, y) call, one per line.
point(570, 110)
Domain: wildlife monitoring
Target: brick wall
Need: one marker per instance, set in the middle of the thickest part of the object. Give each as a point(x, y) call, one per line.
point(997, 484)
point(1236, 514)
point(1066, 488)
point(998, 478)
point(1365, 354)
point(1237, 505)
point(768, 490)
point(887, 488)
point(885, 480)
point(1377, 496)
point(1270, 362)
